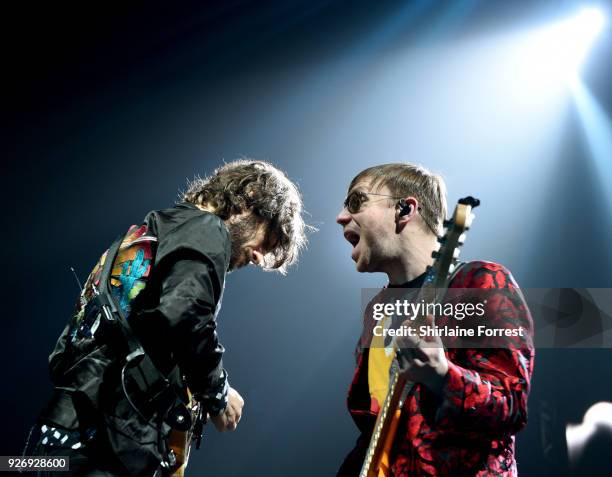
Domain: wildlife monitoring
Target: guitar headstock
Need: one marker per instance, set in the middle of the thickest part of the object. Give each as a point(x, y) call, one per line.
point(446, 257)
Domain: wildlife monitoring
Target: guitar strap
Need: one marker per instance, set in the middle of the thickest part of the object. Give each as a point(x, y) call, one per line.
point(113, 312)
point(147, 390)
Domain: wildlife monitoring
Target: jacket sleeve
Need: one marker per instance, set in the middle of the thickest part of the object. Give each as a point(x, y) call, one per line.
point(487, 388)
point(187, 305)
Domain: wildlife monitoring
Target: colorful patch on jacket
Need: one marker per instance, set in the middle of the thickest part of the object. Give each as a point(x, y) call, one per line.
point(129, 275)
point(132, 266)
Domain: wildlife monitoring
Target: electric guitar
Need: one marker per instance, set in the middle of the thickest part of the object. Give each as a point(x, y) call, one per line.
point(179, 440)
point(377, 458)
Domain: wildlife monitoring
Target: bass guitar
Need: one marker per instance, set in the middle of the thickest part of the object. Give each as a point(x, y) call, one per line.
point(377, 459)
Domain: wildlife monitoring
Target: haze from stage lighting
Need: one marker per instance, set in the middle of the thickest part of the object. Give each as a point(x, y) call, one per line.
point(556, 52)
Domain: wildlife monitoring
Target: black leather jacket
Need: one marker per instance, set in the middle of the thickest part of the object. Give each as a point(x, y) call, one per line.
point(169, 279)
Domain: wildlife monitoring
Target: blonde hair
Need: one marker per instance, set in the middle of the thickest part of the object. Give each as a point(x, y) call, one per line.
point(404, 179)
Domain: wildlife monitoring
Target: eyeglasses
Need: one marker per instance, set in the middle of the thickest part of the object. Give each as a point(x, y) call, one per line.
point(356, 199)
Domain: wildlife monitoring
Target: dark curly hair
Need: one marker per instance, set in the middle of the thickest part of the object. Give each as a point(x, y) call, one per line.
point(258, 186)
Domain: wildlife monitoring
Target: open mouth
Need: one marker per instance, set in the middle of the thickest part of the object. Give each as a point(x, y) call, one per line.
point(352, 237)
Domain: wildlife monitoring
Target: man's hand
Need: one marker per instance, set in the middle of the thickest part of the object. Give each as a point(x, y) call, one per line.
point(422, 359)
point(230, 416)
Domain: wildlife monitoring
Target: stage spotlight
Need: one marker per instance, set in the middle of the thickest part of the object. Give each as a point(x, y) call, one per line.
point(557, 51)
point(577, 35)
point(586, 25)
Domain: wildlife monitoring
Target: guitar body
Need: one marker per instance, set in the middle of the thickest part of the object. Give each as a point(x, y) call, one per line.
point(384, 463)
point(179, 441)
point(378, 459)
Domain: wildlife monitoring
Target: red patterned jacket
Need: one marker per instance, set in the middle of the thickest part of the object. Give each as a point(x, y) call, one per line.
point(470, 432)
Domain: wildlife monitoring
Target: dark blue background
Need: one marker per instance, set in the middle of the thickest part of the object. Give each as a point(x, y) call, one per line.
point(110, 108)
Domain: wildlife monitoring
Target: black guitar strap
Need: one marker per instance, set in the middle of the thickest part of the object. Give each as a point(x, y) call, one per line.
point(147, 390)
point(113, 312)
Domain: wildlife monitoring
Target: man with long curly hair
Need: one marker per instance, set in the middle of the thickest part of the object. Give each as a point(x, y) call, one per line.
point(167, 279)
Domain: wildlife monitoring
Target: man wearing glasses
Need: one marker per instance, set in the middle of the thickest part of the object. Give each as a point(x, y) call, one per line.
point(461, 415)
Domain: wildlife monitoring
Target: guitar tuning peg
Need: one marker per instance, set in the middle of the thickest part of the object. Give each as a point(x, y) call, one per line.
point(461, 239)
point(447, 223)
point(456, 253)
point(435, 254)
point(441, 240)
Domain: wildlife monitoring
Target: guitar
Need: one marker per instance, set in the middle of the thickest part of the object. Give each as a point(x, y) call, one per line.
point(377, 459)
point(179, 440)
